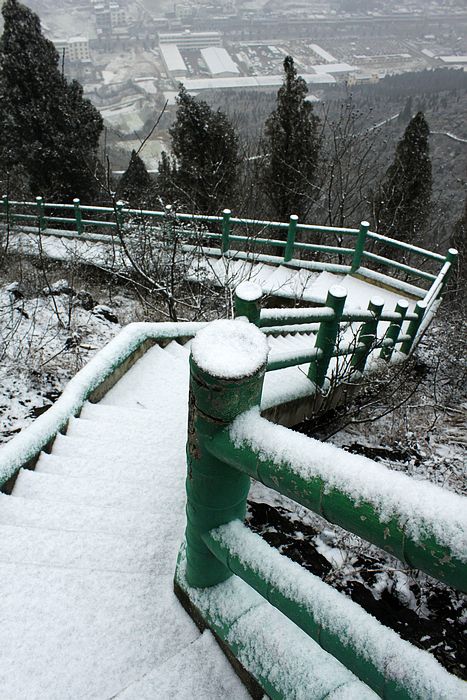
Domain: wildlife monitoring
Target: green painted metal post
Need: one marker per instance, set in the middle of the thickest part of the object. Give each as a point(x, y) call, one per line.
point(451, 257)
point(78, 217)
point(359, 246)
point(119, 216)
point(367, 335)
point(414, 325)
point(393, 331)
point(247, 301)
point(41, 214)
point(168, 228)
point(6, 208)
point(327, 335)
point(226, 214)
point(219, 392)
point(292, 230)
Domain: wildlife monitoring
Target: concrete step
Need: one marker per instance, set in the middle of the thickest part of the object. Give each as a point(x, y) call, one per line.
point(98, 492)
point(92, 550)
point(186, 675)
point(67, 633)
point(29, 512)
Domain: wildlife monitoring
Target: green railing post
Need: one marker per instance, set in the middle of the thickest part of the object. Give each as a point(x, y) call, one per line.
point(327, 335)
point(359, 246)
point(247, 301)
point(367, 335)
point(451, 257)
point(219, 391)
point(393, 331)
point(6, 208)
point(226, 214)
point(78, 217)
point(292, 230)
point(168, 229)
point(414, 325)
point(119, 216)
point(41, 214)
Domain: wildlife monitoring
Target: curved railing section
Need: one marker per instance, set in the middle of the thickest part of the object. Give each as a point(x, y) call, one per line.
point(274, 242)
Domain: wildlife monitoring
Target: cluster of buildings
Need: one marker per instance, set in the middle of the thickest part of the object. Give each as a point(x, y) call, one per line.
point(205, 50)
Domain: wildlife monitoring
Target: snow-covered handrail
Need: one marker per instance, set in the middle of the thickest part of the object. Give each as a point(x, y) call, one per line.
point(229, 442)
point(43, 215)
point(420, 523)
point(25, 447)
point(339, 625)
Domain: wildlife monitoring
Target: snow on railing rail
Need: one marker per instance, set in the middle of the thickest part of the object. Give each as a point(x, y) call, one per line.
point(372, 651)
point(114, 218)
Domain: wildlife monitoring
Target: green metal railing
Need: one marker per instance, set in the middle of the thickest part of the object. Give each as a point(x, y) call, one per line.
point(291, 241)
point(229, 443)
point(331, 321)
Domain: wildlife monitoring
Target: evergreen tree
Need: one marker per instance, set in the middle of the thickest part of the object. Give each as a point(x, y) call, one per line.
point(203, 175)
point(292, 145)
point(45, 124)
point(135, 185)
point(403, 201)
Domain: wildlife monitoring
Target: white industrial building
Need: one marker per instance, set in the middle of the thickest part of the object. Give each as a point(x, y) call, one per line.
point(219, 63)
point(194, 85)
point(190, 40)
point(173, 60)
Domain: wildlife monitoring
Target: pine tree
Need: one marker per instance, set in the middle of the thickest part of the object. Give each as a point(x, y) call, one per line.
point(292, 145)
point(45, 124)
point(403, 202)
point(205, 146)
point(135, 185)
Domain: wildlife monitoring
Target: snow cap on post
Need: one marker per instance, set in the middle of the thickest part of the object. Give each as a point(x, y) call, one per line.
point(247, 301)
point(230, 350)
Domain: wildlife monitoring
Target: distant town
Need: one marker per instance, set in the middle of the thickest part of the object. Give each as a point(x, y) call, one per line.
point(131, 57)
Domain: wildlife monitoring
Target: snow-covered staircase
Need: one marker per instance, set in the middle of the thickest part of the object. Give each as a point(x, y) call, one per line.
point(287, 282)
point(88, 548)
point(90, 538)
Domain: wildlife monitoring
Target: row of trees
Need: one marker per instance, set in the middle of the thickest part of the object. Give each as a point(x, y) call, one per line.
point(49, 140)
point(295, 170)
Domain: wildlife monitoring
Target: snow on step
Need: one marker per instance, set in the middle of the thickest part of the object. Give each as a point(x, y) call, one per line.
point(182, 676)
point(288, 282)
point(124, 469)
point(360, 292)
point(284, 385)
point(156, 382)
point(28, 512)
point(318, 290)
point(77, 634)
point(91, 550)
point(299, 342)
point(177, 351)
point(281, 282)
point(79, 624)
point(99, 492)
point(126, 459)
